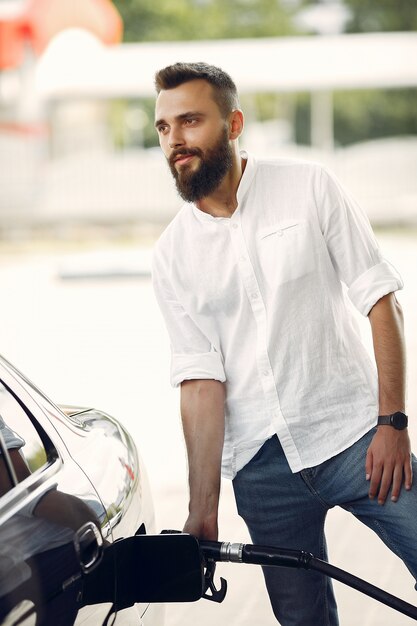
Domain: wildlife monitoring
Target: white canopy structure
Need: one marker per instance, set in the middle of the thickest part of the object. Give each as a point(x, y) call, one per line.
point(76, 64)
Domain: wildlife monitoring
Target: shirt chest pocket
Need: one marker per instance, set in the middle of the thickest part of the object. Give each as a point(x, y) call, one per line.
point(286, 251)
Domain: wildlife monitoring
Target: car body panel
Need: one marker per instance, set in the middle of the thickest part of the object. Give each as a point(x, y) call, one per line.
point(91, 473)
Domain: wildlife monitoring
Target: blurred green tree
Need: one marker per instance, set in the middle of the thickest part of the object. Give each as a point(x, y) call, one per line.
point(384, 15)
point(370, 114)
point(147, 20)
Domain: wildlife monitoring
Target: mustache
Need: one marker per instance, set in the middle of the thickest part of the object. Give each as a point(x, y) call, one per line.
point(184, 152)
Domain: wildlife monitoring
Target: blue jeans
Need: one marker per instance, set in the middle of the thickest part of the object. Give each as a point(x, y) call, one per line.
point(289, 510)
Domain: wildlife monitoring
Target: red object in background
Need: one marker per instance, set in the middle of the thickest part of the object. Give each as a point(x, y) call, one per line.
point(42, 19)
point(11, 43)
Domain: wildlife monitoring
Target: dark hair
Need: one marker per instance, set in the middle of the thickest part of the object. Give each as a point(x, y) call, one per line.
point(225, 92)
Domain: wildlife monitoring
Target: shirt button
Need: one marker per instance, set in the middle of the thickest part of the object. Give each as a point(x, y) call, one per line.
point(254, 296)
point(234, 225)
point(265, 373)
point(279, 233)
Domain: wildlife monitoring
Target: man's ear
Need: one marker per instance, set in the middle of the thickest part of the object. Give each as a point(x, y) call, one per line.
point(236, 123)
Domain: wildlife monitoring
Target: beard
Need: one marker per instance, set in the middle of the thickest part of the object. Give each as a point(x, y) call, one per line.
point(215, 162)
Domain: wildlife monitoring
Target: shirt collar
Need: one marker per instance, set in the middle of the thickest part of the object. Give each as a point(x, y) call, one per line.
point(247, 177)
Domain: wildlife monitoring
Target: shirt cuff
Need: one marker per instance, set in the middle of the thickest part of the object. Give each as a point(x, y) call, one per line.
point(373, 284)
point(196, 366)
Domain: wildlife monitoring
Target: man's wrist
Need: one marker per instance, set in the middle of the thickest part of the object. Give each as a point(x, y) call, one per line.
point(397, 420)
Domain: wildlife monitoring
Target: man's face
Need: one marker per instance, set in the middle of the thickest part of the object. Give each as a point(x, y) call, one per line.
point(194, 138)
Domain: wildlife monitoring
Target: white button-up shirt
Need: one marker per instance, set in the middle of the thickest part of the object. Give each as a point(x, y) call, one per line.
point(262, 301)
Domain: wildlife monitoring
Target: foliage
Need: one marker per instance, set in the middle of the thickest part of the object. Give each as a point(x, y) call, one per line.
point(362, 115)
point(165, 20)
point(37, 458)
point(381, 16)
point(367, 16)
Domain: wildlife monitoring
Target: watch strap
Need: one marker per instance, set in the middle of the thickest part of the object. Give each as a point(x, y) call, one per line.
point(384, 420)
point(398, 420)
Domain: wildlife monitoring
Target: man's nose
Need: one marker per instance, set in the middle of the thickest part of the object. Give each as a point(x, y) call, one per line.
point(175, 138)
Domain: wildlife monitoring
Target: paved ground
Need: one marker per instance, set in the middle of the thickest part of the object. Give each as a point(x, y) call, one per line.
point(101, 342)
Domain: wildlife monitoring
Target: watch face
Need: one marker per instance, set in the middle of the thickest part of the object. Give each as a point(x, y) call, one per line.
point(399, 420)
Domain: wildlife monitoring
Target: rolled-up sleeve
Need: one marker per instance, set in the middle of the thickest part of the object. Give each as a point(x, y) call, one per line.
point(373, 284)
point(352, 246)
point(196, 366)
point(192, 354)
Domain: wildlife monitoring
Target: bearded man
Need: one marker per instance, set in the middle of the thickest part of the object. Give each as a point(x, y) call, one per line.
point(254, 278)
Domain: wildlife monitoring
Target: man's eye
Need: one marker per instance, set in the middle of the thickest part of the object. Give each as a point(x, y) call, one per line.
point(190, 121)
point(162, 129)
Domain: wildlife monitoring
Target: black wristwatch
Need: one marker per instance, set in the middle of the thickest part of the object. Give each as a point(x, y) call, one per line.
point(398, 420)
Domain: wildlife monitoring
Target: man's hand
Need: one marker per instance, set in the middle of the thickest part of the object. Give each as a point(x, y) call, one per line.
point(388, 463)
point(205, 528)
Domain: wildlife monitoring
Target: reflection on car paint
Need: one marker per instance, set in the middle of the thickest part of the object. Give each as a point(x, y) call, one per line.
point(82, 485)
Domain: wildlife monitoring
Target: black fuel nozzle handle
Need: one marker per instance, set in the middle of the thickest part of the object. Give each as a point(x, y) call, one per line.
point(210, 591)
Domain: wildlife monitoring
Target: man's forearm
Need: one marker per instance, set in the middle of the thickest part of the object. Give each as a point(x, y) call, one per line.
point(388, 338)
point(388, 460)
point(202, 412)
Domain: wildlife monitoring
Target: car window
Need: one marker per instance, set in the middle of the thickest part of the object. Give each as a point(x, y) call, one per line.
point(24, 445)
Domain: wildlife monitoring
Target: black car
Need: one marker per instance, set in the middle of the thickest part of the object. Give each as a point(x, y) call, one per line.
point(71, 485)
